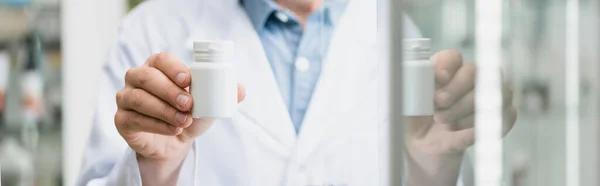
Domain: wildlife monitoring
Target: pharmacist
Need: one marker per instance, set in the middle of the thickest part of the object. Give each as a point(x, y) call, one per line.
point(312, 100)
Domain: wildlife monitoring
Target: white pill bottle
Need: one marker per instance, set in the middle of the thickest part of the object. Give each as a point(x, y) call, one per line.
point(214, 82)
point(418, 77)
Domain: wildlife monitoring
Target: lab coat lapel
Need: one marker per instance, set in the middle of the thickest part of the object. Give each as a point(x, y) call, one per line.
point(331, 106)
point(263, 104)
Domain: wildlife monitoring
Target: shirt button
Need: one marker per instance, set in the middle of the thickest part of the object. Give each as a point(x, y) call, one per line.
point(302, 64)
point(282, 17)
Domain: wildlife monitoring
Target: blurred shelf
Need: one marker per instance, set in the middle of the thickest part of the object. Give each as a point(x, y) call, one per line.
point(43, 16)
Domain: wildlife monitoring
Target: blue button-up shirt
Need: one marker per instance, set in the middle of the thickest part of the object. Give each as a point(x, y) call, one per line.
point(295, 53)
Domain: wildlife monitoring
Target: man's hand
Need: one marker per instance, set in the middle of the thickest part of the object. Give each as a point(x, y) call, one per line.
point(154, 117)
point(435, 145)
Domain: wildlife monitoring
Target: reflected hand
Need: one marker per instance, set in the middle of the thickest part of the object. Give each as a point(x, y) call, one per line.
point(435, 144)
point(154, 117)
point(1, 103)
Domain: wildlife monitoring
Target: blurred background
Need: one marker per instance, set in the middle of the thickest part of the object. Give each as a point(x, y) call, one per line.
point(51, 52)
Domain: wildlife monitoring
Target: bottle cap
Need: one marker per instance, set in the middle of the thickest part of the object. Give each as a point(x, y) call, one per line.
point(416, 49)
point(417, 44)
point(212, 51)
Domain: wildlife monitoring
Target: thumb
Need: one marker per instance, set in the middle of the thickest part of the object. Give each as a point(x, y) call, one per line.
point(462, 139)
point(418, 126)
point(241, 92)
point(201, 125)
point(198, 127)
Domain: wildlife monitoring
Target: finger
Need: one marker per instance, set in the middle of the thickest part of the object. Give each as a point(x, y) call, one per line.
point(462, 140)
point(172, 67)
point(509, 119)
point(465, 123)
point(418, 126)
point(447, 62)
point(158, 84)
point(461, 84)
point(147, 104)
point(198, 127)
point(128, 121)
point(465, 137)
point(241, 92)
point(507, 96)
point(465, 106)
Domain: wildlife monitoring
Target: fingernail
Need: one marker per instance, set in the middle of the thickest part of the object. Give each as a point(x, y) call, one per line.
point(181, 77)
point(173, 127)
point(180, 117)
point(182, 100)
point(432, 58)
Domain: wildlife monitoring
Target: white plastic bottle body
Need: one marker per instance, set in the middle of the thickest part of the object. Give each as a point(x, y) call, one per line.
point(418, 78)
point(214, 90)
point(419, 86)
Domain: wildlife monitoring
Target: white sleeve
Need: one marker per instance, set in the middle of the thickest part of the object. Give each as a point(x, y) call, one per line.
point(108, 160)
point(126, 171)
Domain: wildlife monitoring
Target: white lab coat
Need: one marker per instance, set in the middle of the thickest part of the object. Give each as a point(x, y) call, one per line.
point(343, 137)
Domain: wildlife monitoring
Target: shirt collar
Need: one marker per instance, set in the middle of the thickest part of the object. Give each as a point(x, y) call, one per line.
point(334, 10)
point(260, 10)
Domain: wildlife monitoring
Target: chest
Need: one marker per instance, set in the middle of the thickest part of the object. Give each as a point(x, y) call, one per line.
point(338, 144)
point(343, 150)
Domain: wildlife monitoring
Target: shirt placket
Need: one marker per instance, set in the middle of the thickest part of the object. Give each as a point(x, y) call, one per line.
point(307, 67)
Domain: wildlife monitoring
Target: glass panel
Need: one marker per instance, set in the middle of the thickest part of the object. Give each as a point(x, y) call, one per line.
point(548, 53)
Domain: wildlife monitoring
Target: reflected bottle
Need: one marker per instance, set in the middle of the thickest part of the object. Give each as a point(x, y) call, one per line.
point(418, 78)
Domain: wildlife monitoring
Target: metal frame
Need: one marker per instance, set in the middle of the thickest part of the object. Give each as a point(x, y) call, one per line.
point(572, 83)
point(488, 100)
point(397, 120)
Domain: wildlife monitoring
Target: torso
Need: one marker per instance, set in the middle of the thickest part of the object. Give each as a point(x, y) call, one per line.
point(344, 131)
